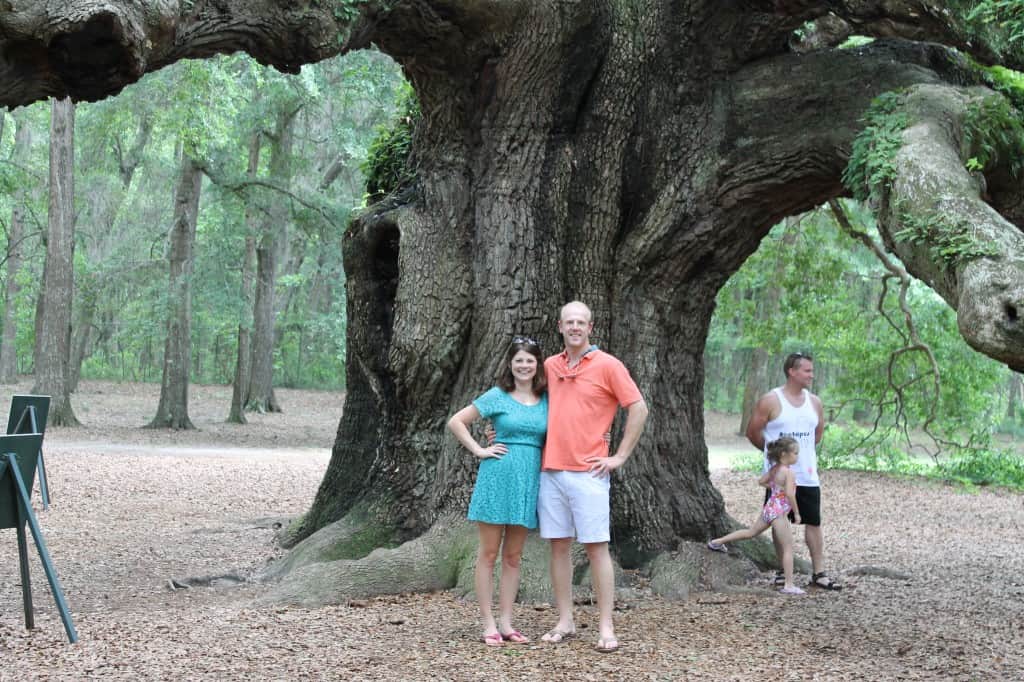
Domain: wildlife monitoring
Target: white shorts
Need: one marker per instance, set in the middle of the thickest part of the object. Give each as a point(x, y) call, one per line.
point(574, 504)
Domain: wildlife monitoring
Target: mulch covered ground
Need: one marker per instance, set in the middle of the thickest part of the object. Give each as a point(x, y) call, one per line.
point(135, 510)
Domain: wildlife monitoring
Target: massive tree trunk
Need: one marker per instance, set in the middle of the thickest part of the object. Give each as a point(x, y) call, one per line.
point(54, 343)
point(172, 412)
point(630, 159)
point(631, 155)
point(15, 235)
point(243, 356)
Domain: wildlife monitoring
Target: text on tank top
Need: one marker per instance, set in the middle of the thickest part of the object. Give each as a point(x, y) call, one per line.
point(800, 424)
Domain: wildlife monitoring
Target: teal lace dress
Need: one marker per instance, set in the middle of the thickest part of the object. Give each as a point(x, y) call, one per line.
point(506, 488)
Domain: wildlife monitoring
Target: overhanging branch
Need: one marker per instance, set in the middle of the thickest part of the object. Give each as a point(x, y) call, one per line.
point(932, 214)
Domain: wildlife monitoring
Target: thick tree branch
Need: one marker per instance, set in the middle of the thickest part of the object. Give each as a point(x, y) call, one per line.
point(787, 144)
point(832, 21)
point(934, 218)
point(88, 50)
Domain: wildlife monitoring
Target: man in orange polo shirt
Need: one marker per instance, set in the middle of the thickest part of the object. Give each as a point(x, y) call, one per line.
point(586, 387)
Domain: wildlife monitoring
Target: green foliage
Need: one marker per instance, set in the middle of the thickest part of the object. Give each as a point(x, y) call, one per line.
point(871, 168)
point(954, 244)
point(210, 109)
point(999, 22)
point(829, 288)
point(994, 131)
point(345, 10)
point(387, 165)
point(855, 42)
point(985, 467)
point(1006, 81)
point(857, 447)
point(748, 461)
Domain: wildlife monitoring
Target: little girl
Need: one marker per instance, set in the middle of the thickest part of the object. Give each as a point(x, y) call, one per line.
point(779, 478)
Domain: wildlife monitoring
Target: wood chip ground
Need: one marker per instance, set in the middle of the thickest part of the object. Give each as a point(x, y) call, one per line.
point(135, 509)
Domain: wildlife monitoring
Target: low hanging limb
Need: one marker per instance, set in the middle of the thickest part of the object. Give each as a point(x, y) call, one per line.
point(911, 339)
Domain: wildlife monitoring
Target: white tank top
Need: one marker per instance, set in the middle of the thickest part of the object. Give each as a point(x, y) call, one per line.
point(799, 423)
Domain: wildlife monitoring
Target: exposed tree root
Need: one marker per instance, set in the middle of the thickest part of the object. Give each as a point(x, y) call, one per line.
point(352, 537)
point(692, 568)
point(879, 572)
point(430, 562)
point(445, 558)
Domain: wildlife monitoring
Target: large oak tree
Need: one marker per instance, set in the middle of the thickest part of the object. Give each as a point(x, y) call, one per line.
point(631, 154)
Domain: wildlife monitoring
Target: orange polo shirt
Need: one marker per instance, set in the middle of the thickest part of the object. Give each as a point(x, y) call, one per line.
point(582, 402)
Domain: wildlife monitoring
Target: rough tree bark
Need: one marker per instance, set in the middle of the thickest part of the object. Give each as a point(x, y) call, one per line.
point(172, 411)
point(15, 235)
point(628, 154)
point(54, 343)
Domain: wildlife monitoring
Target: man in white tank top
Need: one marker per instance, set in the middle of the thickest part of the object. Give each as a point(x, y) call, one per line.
point(792, 410)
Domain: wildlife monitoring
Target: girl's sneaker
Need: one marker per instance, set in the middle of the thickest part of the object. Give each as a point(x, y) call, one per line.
point(792, 590)
point(717, 547)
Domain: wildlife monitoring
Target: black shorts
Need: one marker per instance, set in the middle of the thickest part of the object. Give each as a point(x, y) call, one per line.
point(808, 498)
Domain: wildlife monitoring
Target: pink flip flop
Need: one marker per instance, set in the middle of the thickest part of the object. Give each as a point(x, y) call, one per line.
point(515, 637)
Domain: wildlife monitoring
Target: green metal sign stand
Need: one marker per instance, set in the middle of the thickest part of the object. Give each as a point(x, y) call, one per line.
point(28, 415)
point(18, 456)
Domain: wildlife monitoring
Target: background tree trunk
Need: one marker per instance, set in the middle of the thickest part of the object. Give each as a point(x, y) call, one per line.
point(1016, 391)
point(58, 279)
point(758, 379)
point(172, 412)
point(275, 230)
point(9, 340)
point(81, 335)
point(243, 361)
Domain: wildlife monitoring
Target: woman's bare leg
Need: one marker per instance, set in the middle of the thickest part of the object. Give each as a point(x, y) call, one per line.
point(511, 556)
point(487, 554)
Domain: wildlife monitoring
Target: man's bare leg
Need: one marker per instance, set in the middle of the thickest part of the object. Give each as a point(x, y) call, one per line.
point(603, 573)
point(816, 546)
point(561, 585)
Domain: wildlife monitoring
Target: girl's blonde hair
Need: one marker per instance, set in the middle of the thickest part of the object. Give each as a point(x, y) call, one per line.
point(777, 448)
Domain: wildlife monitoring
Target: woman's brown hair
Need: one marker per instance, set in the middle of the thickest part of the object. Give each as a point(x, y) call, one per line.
point(507, 381)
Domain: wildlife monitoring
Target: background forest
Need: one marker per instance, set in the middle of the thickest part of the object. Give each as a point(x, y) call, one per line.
point(281, 158)
point(281, 163)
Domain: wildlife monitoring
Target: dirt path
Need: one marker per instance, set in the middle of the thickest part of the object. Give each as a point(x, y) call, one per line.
point(127, 519)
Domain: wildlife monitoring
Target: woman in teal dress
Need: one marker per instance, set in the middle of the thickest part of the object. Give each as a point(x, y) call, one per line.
point(504, 502)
